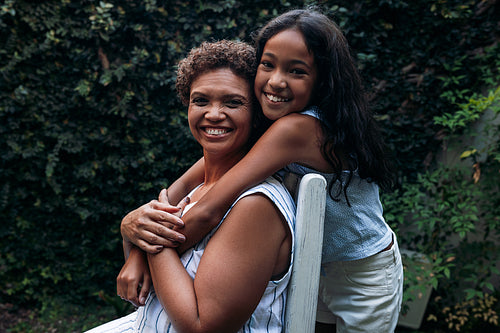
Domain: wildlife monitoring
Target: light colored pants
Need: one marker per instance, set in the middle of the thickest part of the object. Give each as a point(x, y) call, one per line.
point(120, 325)
point(362, 295)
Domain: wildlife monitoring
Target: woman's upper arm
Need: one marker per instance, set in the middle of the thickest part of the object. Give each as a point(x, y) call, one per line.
point(240, 259)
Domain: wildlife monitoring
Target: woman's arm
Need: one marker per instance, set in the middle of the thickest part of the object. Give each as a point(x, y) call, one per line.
point(293, 138)
point(251, 245)
point(150, 226)
point(134, 280)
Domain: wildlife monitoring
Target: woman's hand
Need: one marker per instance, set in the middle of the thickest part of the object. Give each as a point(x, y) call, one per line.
point(134, 280)
point(151, 226)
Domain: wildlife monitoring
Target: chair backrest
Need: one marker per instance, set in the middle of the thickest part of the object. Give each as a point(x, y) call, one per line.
point(300, 313)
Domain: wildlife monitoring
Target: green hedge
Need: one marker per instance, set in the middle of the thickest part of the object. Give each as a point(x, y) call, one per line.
point(91, 126)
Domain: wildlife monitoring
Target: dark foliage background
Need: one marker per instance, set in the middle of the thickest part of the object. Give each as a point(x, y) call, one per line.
point(90, 125)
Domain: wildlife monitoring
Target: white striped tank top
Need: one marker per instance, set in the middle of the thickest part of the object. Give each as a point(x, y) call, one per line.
point(269, 314)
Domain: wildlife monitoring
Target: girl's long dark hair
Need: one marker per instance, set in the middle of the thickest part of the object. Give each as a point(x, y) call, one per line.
point(351, 137)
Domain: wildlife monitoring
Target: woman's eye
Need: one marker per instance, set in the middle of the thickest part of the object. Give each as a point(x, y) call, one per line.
point(199, 101)
point(234, 103)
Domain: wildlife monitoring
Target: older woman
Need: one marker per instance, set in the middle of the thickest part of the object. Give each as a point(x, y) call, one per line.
point(236, 277)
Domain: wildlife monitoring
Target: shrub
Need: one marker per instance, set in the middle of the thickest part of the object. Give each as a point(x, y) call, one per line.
point(91, 127)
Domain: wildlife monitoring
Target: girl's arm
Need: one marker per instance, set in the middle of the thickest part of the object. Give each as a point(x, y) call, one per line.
point(148, 226)
point(251, 245)
point(293, 138)
point(193, 177)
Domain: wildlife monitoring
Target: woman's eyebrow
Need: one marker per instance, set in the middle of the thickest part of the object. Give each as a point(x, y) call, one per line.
point(196, 94)
point(235, 96)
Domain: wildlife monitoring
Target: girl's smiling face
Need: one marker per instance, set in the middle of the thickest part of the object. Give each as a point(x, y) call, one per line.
point(286, 75)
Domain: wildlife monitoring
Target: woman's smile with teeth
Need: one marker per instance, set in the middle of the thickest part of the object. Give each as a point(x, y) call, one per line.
point(216, 131)
point(275, 98)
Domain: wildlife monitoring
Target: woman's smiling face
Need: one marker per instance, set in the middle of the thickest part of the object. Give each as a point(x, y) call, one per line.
point(220, 112)
point(286, 75)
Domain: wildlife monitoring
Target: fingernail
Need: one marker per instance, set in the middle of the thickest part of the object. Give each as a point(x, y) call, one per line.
point(180, 222)
point(188, 200)
point(182, 238)
point(159, 248)
point(142, 300)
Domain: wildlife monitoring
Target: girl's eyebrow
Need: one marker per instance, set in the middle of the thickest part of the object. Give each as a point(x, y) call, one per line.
point(300, 62)
point(294, 61)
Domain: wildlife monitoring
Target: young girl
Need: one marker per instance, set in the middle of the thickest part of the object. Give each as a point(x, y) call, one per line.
point(308, 85)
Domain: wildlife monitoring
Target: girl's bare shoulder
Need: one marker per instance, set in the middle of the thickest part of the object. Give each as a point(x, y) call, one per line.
point(297, 127)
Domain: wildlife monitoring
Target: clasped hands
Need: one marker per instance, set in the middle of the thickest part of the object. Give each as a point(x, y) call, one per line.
point(149, 228)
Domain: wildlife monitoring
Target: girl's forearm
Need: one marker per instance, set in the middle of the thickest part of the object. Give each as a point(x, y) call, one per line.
point(209, 210)
point(287, 140)
point(188, 181)
point(263, 160)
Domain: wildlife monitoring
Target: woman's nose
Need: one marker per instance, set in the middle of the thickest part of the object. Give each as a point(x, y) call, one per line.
point(215, 113)
point(277, 80)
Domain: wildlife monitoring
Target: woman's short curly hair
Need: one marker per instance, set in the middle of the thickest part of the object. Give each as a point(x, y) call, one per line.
point(237, 56)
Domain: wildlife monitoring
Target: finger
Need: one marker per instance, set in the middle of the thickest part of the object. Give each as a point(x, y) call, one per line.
point(132, 294)
point(146, 285)
point(163, 217)
point(163, 197)
point(165, 207)
point(149, 248)
point(182, 204)
point(160, 236)
point(119, 287)
point(121, 290)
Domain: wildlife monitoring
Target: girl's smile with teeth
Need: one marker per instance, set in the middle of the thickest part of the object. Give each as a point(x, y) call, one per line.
point(275, 98)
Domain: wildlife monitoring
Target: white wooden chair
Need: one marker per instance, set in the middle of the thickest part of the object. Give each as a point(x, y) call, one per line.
point(300, 313)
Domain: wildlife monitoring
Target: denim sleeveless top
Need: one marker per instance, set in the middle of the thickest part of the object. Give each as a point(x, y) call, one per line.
point(351, 232)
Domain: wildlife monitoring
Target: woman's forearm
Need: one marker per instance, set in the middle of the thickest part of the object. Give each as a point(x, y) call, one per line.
point(175, 290)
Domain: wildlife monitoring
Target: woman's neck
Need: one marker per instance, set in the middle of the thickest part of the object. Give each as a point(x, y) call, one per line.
point(216, 166)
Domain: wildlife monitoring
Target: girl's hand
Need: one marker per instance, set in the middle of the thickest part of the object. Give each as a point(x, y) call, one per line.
point(134, 280)
point(151, 226)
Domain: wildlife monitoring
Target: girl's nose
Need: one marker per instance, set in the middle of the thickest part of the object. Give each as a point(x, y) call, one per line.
point(277, 80)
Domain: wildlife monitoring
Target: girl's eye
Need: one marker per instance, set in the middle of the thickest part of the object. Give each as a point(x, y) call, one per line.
point(266, 64)
point(298, 71)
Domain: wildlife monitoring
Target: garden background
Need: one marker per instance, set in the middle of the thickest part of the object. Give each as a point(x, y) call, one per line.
point(91, 127)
